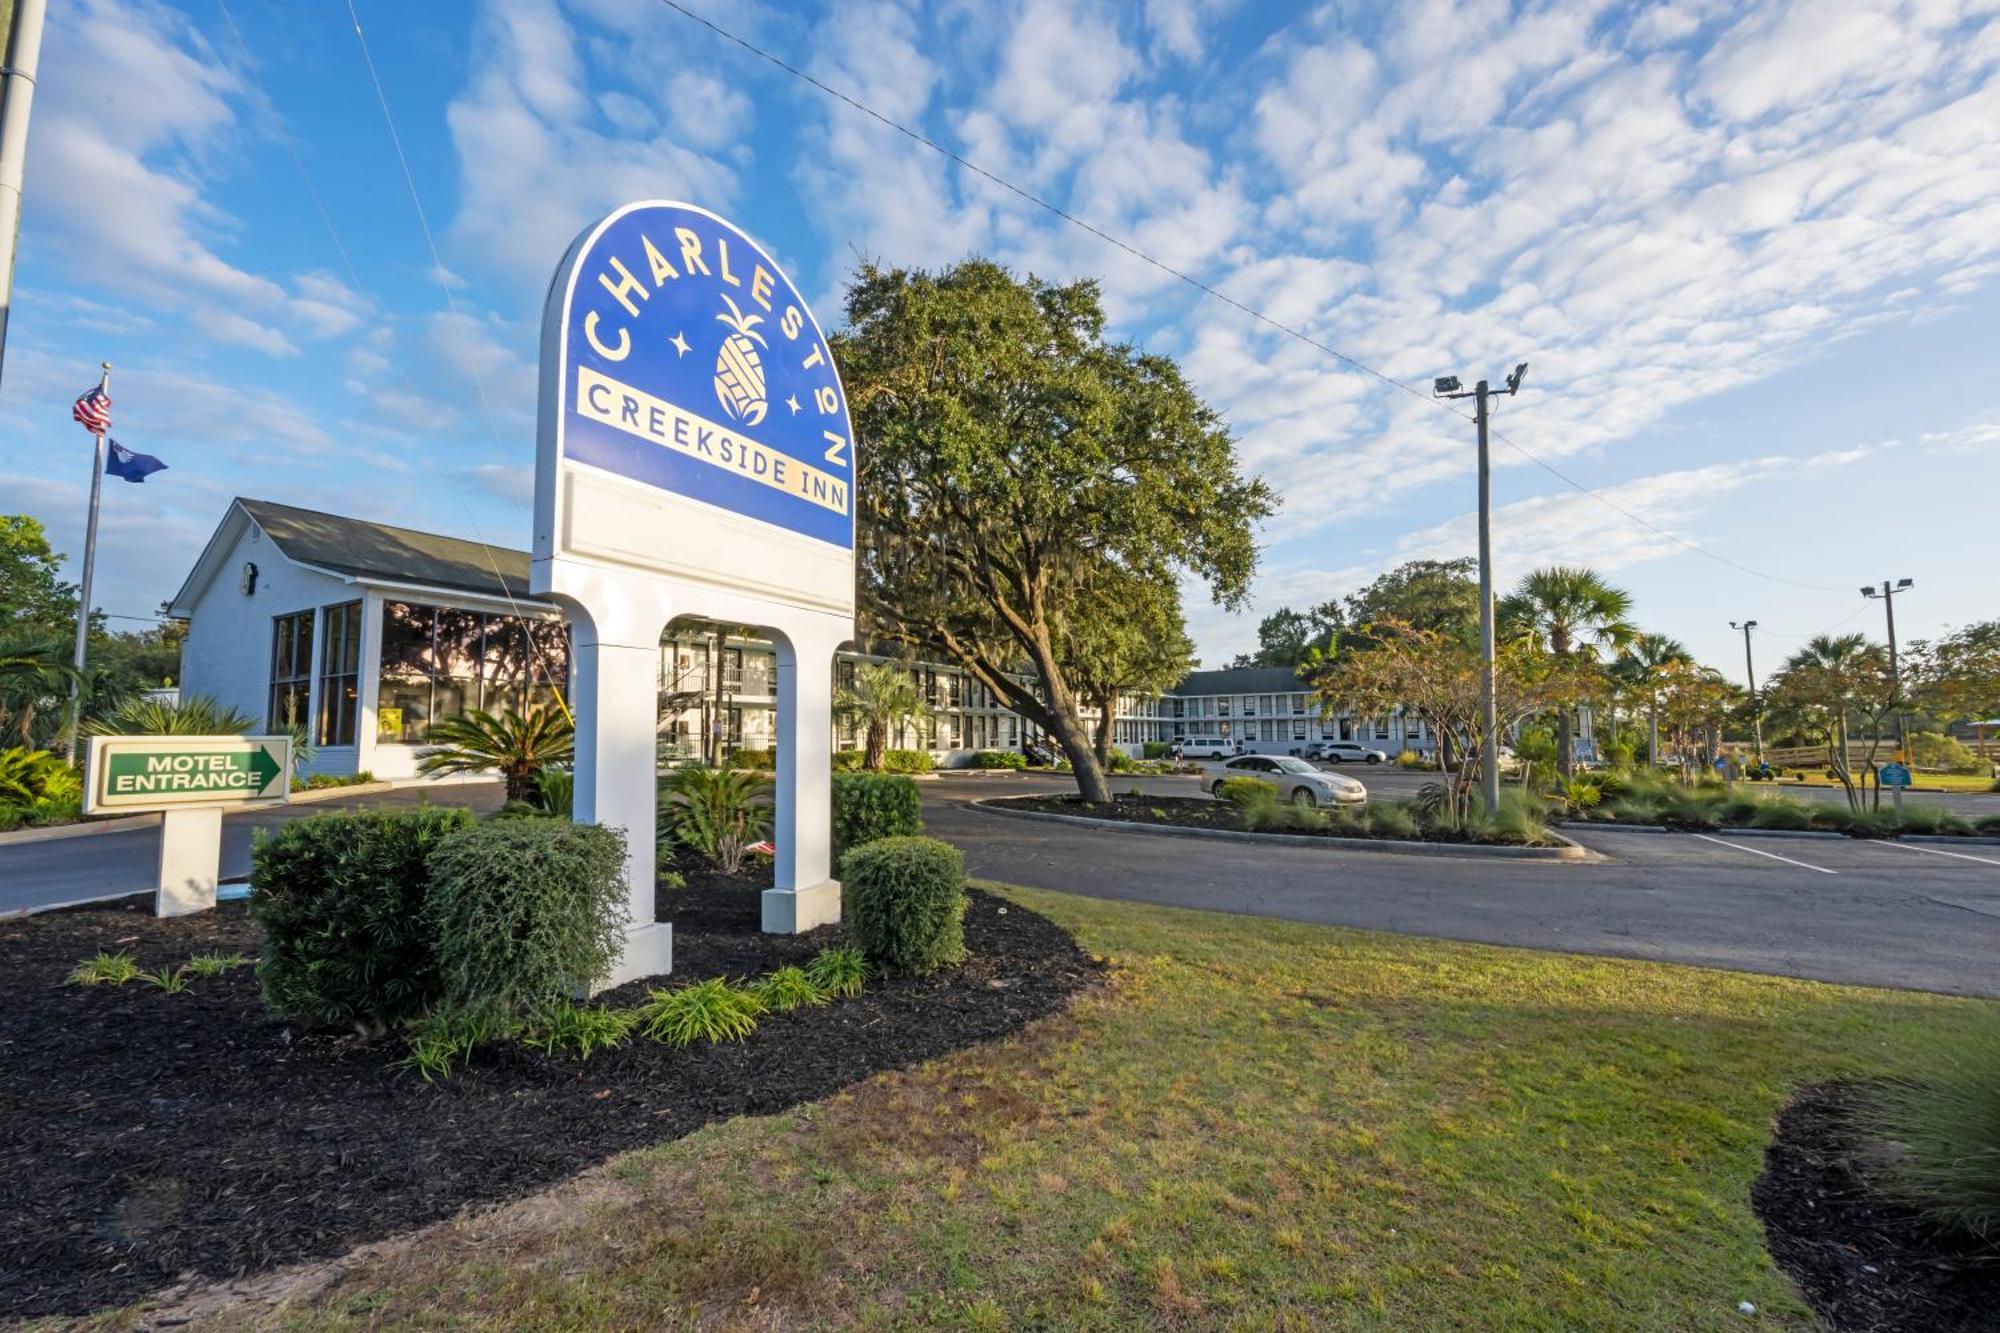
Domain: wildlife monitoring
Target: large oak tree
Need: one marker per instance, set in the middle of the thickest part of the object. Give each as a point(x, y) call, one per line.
point(1013, 463)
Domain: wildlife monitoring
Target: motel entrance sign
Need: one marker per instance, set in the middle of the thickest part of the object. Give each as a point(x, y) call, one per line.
point(191, 780)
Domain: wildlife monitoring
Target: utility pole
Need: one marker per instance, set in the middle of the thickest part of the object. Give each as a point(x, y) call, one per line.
point(1447, 386)
point(1750, 674)
point(17, 94)
point(1887, 592)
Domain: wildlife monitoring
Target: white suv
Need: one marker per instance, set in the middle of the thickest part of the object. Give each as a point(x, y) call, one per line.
point(1346, 752)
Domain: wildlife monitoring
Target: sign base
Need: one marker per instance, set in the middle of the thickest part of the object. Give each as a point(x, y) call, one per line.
point(649, 952)
point(796, 911)
point(190, 861)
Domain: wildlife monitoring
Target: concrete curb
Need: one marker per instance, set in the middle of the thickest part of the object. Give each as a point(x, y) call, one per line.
point(1569, 851)
point(79, 829)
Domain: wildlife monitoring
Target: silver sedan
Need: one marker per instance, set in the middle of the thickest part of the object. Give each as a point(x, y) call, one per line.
point(1296, 780)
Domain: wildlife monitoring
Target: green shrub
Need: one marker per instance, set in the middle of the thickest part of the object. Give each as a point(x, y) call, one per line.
point(906, 761)
point(1119, 762)
point(1238, 791)
point(763, 761)
point(718, 812)
point(340, 897)
point(1411, 759)
point(787, 989)
point(1931, 749)
point(868, 806)
point(1258, 808)
point(553, 791)
point(1391, 819)
point(711, 1010)
point(38, 788)
point(1947, 1121)
point(525, 913)
point(1988, 824)
point(839, 973)
point(999, 759)
point(322, 781)
point(848, 761)
point(904, 900)
point(565, 1025)
point(1518, 821)
point(1157, 749)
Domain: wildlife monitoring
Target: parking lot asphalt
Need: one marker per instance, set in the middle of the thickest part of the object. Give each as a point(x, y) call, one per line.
point(1828, 909)
point(1919, 916)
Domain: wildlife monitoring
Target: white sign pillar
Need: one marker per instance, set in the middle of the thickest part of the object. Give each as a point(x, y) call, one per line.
point(615, 682)
point(694, 458)
point(190, 861)
point(804, 893)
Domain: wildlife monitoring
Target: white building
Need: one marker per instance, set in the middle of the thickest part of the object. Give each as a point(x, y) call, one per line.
point(365, 634)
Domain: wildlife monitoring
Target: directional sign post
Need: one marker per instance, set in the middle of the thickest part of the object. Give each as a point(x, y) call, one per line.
point(191, 780)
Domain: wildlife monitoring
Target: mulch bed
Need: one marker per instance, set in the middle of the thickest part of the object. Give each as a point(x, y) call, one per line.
point(147, 1138)
point(1866, 1264)
point(1188, 812)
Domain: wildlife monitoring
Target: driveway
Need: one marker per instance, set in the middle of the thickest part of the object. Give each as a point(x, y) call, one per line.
point(1905, 915)
point(1838, 910)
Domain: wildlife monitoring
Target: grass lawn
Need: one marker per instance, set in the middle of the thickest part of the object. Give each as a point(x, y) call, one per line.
point(1257, 1124)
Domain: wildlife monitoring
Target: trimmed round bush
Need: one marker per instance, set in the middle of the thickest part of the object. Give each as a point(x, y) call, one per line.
point(525, 912)
point(904, 899)
point(907, 761)
point(999, 759)
point(340, 897)
point(868, 806)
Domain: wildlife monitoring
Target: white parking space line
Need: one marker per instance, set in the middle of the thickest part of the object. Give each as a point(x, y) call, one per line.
point(1939, 851)
point(1759, 851)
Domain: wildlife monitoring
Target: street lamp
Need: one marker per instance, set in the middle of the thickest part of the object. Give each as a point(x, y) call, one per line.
point(1750, 674)
point(1447, 386)
point(1887, 593)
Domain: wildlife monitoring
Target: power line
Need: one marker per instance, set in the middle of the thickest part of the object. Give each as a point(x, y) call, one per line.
point(919, 137)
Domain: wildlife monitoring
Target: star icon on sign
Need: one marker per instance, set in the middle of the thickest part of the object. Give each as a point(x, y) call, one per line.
point(792, 401)
point(680, 344)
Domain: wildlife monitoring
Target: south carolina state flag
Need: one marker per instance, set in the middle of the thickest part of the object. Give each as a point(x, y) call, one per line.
point(122, 462)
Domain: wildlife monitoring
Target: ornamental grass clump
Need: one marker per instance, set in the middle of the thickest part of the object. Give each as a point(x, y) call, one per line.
point(1941, 1131)
point(568, 1026)
point(341, 899)
point(711, 1010)
point(106, 969)
point(904, 900)
point(787, 989)
point(523, 913)
point(838, 973)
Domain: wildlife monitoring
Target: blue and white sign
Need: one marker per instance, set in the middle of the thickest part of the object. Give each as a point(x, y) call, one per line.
point(689, 362)
point(1894, 775)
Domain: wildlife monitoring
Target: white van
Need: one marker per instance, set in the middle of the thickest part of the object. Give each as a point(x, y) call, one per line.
point(1207, 747)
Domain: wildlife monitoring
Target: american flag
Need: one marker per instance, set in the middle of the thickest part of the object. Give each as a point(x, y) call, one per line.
point(94, 411)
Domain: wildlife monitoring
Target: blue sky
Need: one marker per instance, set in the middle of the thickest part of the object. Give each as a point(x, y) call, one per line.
point(1751, 252)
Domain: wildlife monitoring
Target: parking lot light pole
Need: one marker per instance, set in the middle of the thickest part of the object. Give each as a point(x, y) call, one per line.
point(1750, 674)
point(1887, 592)
point(1447, 386)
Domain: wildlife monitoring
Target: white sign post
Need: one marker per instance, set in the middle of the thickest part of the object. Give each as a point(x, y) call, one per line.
point(694, 457)
point(191, 780)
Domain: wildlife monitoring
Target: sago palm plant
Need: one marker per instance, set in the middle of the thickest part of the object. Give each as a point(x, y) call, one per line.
point(515, 745)
point(718, 812)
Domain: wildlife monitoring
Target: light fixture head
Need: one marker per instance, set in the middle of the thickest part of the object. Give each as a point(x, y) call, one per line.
point(1903, 583)
point(1749, 624)
point(1868, 590)
point(1445, 384)
point(1514, 380)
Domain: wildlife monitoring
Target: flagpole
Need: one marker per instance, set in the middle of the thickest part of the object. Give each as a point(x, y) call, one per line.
point(89, 567)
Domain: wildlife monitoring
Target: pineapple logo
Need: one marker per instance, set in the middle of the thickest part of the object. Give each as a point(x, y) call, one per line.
point(739, 371)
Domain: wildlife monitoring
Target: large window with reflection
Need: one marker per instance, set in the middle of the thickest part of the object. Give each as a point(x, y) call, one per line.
point(440, 661)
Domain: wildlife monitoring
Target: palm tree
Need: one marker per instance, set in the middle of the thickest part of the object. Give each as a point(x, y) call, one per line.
point(1828, 679)
point(518, 745)
point(1569, 612)
point(884, 696)
point(1640, 665)
point(32, 672)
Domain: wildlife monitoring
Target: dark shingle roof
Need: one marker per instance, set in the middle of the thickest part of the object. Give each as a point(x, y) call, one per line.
point(1242, 680)
point(402, 555)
